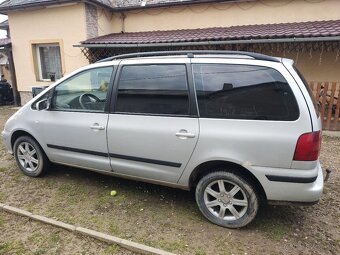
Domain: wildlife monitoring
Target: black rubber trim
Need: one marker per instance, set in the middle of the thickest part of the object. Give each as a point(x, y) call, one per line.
point(275, 178)
point(146, 160)
point(103, 154)
point(96, 153)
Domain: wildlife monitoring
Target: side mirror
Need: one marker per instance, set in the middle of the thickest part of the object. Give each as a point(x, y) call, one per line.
point(43, 105)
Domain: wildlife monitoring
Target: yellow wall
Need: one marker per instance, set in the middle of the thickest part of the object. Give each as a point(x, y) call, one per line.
point(315, 66)
point(319, 67)
point(229, 14)
point(65, 25)
point(105, 22)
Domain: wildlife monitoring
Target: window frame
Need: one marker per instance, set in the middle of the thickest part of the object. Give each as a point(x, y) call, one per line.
point(108, 97)
point(193, 110)
point(38, 57)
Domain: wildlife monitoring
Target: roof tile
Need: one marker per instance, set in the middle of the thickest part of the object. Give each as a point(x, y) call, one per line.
point(270, 31)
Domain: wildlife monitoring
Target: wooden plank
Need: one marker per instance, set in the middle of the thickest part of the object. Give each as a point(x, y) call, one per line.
point(324, 100)
point(337, 111)
point(311, 85)
point(317, 95)
point(330, 106)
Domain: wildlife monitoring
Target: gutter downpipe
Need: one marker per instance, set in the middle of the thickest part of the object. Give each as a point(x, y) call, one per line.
point(250, 41)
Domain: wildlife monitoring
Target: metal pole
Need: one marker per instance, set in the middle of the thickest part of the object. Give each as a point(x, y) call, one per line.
point(16, 95)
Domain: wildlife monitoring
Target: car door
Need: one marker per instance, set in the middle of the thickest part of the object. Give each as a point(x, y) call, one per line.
point(74, 128)
point(153, 126)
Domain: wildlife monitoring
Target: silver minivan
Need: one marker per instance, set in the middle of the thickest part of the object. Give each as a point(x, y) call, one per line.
point(238, 128)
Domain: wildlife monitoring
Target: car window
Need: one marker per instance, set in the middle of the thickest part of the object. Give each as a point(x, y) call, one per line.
point(86, 91)
point(153, 89)
point(243, 92)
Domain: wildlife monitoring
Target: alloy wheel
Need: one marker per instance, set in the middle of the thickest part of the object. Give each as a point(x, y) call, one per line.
point(28, 156)
point(225, 200)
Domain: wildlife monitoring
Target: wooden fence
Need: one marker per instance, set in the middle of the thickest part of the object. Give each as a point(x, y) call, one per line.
point(327, 96)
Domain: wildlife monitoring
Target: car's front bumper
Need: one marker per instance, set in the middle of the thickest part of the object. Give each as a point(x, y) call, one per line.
point(299, 185)
point(6, 136)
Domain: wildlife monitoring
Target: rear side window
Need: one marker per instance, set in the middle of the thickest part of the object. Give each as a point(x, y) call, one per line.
point(243, 92)
point(153, 89)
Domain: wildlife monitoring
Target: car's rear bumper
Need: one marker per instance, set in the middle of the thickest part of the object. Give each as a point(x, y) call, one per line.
point(7, 140)
point(294, 185)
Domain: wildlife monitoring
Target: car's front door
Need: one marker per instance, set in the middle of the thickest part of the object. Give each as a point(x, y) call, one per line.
point(75, 127)
point(152, 130)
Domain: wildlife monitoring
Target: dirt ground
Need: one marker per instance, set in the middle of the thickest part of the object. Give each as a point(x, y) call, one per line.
point(157, 216)
point(20, 235)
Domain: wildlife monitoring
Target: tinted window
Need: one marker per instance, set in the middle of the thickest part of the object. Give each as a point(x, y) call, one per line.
point(243, 92)
point(153, 89)
point(86, 91)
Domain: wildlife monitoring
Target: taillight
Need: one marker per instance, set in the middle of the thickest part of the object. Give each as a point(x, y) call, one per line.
point(308, 147)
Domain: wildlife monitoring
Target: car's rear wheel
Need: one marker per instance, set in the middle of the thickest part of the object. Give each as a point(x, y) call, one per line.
point(30, 158)
point(227, 199)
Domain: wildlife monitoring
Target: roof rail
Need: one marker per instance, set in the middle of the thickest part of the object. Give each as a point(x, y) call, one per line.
point(190, 54)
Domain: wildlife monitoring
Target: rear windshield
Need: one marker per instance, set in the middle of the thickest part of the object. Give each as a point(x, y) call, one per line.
point(243, 92)
point(310, 92)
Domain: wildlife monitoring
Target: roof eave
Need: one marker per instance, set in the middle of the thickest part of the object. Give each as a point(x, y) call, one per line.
point(197, 43)
point(160, 5)
point(5, 10)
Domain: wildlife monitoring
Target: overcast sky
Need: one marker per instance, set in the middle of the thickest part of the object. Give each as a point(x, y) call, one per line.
point(2, 18)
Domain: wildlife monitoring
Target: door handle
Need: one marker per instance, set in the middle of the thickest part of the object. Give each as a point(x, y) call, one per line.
point(96, 126)
point(183, 134)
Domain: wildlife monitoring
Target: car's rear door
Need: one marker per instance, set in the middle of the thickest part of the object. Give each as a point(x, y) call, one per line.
point(153, 126)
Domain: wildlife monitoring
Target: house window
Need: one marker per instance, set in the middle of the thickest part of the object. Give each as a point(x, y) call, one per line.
point(48, 62)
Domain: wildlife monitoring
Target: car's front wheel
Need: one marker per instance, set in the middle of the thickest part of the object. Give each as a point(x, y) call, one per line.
point(227, 199)
point(29, 156)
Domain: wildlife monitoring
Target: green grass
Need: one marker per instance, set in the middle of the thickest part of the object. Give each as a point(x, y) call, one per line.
point(112, 249)
point(104, 199)
point(272, 229)
point(3, 169)
point(177, 246)
point(14, 247)
point(3, 196)
point(200, 252)
point(114, 229)
point(54, 239)
point(73, 193)
point(45, 242)
point(2, 221)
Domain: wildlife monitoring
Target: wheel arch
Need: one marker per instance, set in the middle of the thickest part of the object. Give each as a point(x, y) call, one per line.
point(18, 133)
point(220, 165)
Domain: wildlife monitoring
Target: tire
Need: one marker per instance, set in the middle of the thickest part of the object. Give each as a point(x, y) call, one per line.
point(30, 157)
point(234, 207)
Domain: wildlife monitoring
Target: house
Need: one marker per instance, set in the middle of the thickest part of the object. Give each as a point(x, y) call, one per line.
point(52, 38)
